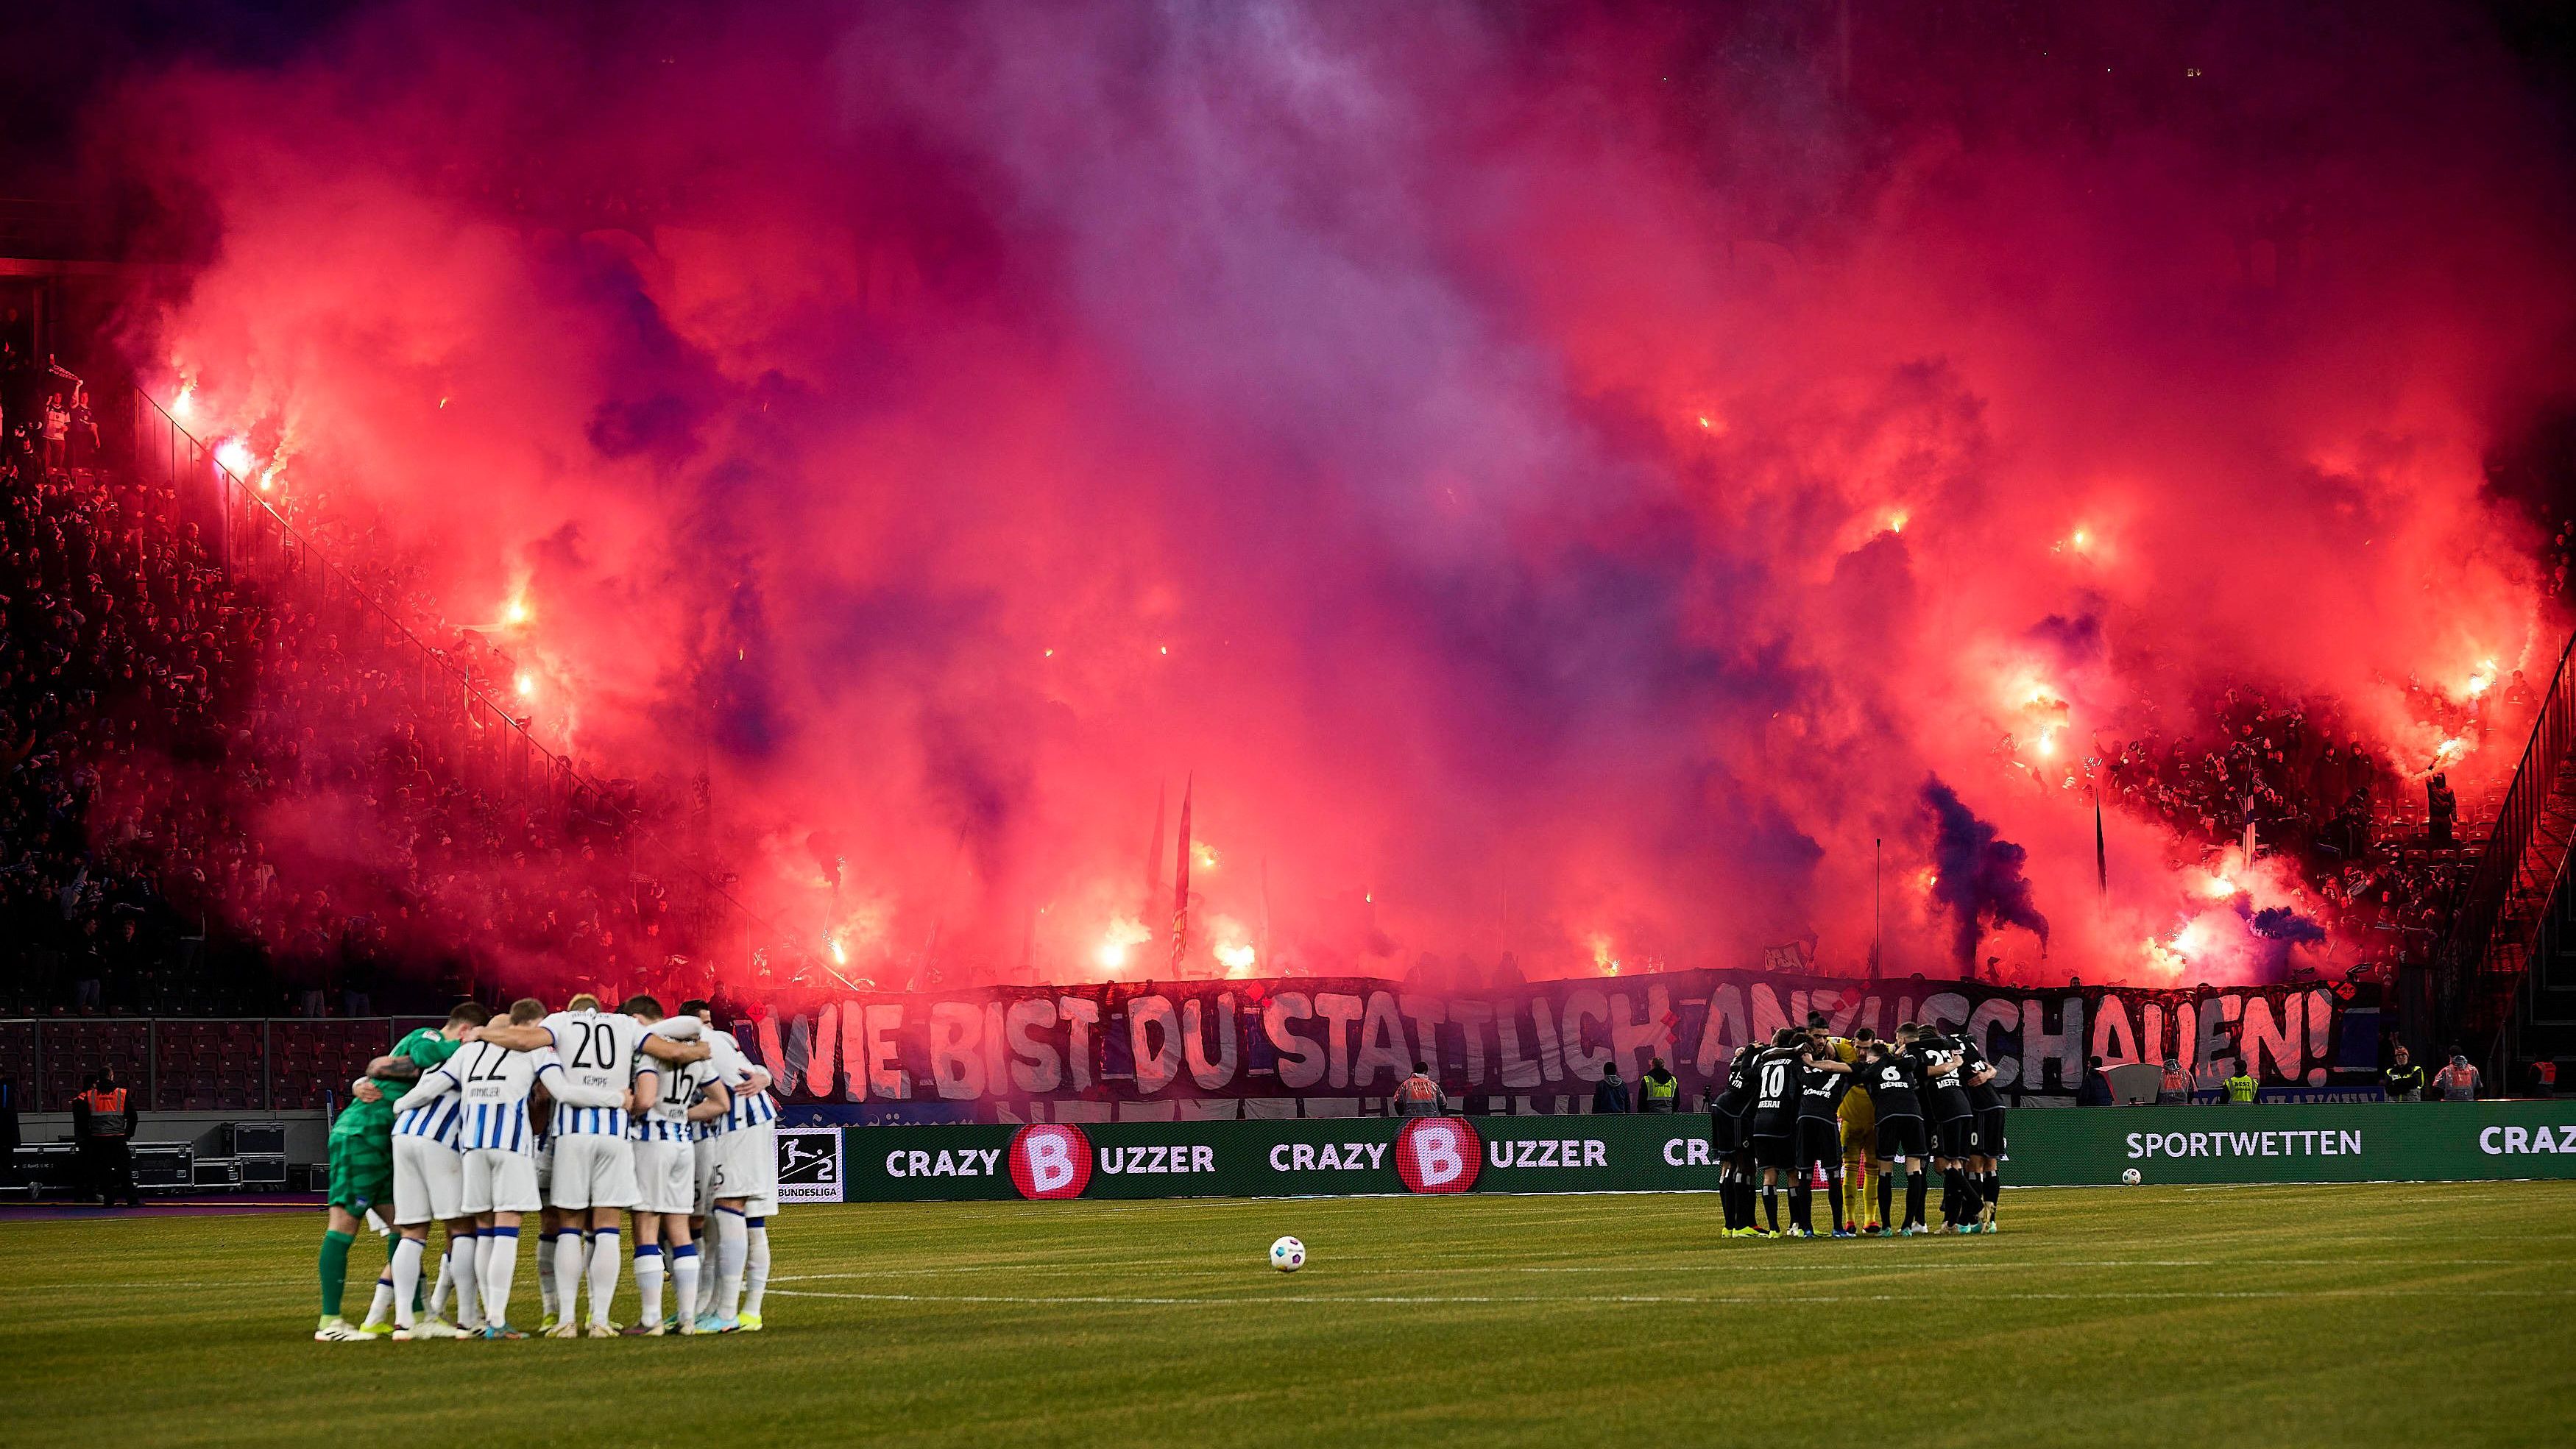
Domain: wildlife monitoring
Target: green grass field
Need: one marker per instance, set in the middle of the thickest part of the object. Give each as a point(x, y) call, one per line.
point(2269, 1316)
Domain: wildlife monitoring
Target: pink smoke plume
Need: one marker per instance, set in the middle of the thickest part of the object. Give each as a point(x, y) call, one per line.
point(1563, 482)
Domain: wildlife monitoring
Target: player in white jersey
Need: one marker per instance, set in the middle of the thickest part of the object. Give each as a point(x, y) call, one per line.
point(665, 1171)
point(594, 1163)
point(496, 1140)
point(429, 1185)
point(737, 1177)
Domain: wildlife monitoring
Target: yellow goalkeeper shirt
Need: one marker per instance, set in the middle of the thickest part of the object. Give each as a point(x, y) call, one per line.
point(1858, 1115)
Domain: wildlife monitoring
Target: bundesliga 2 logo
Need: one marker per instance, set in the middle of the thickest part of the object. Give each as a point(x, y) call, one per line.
point(1438, 1154)
point(1050, 1160)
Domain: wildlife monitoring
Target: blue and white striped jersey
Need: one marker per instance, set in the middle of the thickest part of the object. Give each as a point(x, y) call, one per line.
point(680, 1085)
point(598, 1050)
point(436, 1121)
point(750, 1108)
point(492, 1084)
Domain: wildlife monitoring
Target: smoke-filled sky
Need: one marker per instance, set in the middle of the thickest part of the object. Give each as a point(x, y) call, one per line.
point(1551, 479)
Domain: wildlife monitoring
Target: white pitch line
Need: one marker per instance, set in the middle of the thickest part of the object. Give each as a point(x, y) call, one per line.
point(1978, 1265)
point(1431, 1300)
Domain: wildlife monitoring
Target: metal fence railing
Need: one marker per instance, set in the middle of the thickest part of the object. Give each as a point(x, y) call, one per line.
point(2505, 904)
point(173, 1064)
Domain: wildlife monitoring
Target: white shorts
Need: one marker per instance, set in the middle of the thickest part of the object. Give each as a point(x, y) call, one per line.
point(498, 1180)
point(742, 1163)
point(666, 1176)
point(429, 1181)
point(592, 1171)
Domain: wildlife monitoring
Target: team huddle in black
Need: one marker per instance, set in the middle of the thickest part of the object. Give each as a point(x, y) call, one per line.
point(1811, 1100)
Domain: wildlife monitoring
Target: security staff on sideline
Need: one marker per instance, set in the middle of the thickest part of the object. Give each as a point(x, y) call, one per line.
point(2173, 1089)
point(1419, 1096)
point(1657, 1091)
point(103, 1130)
point(2240, 1088)
point(2404, 1079)
point(1610, 1094)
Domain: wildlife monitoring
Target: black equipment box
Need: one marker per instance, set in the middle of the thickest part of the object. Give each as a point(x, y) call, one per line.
point(253, 1139)
point(162, 1164)
point(217, 1172)
point(263, 1170)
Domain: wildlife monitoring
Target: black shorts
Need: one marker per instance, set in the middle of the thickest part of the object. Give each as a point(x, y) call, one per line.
point(1990, 1133)
point(1820, 1139)
point(1957, 1136)
point(1725, 1133)
point(1900, 1139)
point(1773, 1151)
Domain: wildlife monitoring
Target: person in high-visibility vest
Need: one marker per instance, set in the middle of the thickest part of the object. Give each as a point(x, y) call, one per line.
point(103, 1128)
point(2173, 1089)
point(2457, 1082)
point(1657, 1090)
point(1419, 1096)
point(2240, 1087)
point(2404, 1079)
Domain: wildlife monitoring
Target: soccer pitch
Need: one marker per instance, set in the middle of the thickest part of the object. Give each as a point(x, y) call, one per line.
point(2285, 1315)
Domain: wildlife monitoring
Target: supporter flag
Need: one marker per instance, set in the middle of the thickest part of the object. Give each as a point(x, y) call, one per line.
point(1181, 881)
point(2101, 860)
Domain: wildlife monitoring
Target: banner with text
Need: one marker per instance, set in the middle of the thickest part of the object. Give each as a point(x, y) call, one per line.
point(2393, 1142)
point(1358, 1037)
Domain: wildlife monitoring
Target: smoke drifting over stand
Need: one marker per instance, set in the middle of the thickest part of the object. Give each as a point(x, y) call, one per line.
point(1561, 481)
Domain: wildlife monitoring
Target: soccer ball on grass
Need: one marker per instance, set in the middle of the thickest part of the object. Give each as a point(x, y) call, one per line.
point(1287, 1255)
point(2131, 1177)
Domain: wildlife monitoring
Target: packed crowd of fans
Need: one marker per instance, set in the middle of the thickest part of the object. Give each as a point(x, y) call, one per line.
point(2374, 843)
point(240, 792)
point(225, 796)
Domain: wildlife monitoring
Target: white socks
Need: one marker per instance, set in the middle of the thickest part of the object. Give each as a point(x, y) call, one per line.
point(731, 1247)
point(603, 1273)
point(568, 1264)
point(684, 1281)
point(549, 1287)
point(755, 1264)
point(407, 1253)
point(648, 1284)
point(464, 1256)
point(500, 1264)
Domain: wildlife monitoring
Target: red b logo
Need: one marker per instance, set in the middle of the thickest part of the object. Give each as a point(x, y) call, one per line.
point(1438, 1154)
point(1050, 1160)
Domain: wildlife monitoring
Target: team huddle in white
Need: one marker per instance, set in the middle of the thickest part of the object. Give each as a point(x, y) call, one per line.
point(659, 1117)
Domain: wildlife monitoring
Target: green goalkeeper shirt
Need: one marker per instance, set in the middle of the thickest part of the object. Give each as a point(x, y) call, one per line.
point(368, 1127)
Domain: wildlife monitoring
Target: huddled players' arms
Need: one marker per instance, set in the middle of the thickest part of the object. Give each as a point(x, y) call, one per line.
point(517, 1038)
point(717, 1102)
point(384, 1069)
point(667, 1049)
point(433, 1085)
point(675, 1040)
point(561, 1086)
point(1827, 1064)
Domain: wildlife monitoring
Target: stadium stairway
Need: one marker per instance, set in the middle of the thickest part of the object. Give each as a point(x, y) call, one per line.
point(2509, 970)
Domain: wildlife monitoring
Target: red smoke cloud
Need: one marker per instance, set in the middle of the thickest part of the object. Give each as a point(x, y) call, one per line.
point(1562, 485)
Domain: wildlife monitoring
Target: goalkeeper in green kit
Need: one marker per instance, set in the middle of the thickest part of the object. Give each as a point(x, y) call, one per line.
point(362, 1155)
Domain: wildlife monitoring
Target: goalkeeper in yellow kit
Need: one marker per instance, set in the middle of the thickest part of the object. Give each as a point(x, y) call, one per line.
point(1860, 1142)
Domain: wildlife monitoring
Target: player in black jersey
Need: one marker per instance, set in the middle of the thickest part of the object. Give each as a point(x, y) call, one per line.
point(1730, 1142)
point(1772, 1124)
point(1893, 1078)
point(1954, 1122)
point(1985, 1184)
point(1822, 1080)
